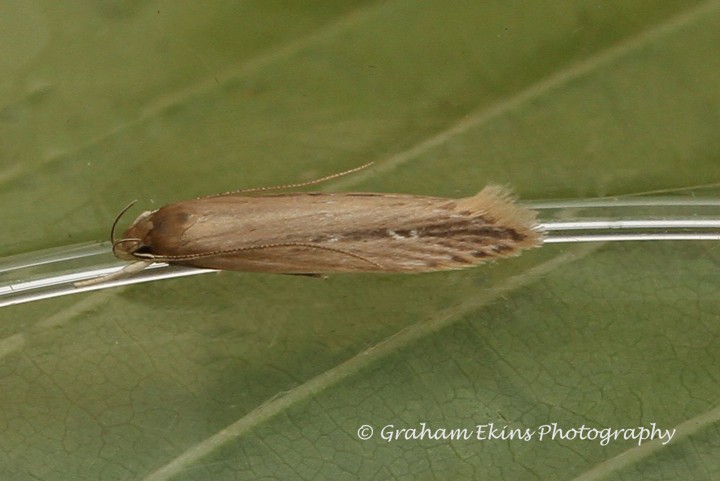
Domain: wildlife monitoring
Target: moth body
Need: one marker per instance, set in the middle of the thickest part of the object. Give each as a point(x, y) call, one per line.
point(324, 233)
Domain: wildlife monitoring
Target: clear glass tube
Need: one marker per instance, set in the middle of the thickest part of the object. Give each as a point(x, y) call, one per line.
point(51, 273)
point(630, 219)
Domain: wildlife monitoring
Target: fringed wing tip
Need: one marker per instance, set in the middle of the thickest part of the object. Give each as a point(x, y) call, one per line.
point(498, 203)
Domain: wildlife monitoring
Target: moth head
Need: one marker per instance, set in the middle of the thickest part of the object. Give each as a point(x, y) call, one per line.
point(133, 242)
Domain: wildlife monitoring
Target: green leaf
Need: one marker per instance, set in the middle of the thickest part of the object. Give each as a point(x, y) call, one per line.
point(253, 376)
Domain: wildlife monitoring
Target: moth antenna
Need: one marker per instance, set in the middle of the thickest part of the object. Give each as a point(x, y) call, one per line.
point(112, 229)
point(292, 186)
point(266, 246)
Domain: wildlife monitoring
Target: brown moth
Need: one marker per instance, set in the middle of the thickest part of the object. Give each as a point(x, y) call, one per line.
point(322, 233)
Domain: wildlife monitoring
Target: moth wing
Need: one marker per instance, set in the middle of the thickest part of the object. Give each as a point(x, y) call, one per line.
point(310, 233)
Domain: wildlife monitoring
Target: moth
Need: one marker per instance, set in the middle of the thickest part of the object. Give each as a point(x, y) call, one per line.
point(316, 233)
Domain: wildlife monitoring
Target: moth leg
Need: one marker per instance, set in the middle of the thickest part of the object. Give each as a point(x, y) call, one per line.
point(126, 271)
